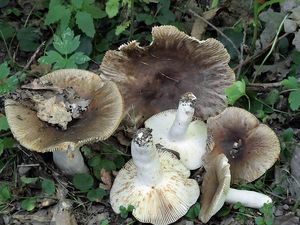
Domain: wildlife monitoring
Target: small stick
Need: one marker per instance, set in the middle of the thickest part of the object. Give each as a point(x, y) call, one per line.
point(217, 29)
point(242, 51)
point(33, 56)
point(263, 86)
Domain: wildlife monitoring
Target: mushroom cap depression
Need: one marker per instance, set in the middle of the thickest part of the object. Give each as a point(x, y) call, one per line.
point(191, 148)
point(161, 204)
point(250, 147)
point(151, 77)
point(98, 122)
point(215, 186)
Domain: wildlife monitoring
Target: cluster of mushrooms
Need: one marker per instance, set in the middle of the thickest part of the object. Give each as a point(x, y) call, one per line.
point(66, 109)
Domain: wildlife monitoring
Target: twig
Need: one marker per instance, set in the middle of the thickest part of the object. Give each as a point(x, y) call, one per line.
point(263, 86)
point(258, 54)
point(33, 56)
point(271, 50)
point(242, 51)
point(217, 29)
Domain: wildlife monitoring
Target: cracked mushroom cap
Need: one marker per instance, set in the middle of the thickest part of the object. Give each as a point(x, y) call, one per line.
point(160, 204)
point(98, 122)
point(151, 77)
point(215, 186)
point(251, 147)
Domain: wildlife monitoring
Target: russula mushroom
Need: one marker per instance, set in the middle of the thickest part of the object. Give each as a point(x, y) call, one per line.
point(98, 122)
point(250, 147)
point(216, 190)
point(154, 182)
point(151, 77)
point(175, 130)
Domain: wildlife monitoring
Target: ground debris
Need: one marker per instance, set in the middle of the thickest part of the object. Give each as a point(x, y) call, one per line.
point(54, 105)
point(62, 214)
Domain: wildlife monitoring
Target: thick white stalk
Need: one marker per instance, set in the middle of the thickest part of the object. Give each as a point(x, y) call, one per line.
point(70, 161)
point(145, 157)
point(249, 199)
point(184, 117)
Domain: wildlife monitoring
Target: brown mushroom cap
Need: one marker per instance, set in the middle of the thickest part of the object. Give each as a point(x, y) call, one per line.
point(98, 122)
point(215, 186)
point(151, 77)
point(250, 147)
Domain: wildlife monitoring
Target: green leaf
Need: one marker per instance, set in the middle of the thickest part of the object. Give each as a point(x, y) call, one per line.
point(112, 8)
point(290, 83)
point(95, 11)
point(119, 161)
point(235, 91)
point(56, 12)
point(28, 204)
point(66, 43)
point(147, 18)
point(104, 222)
point(124, 211)
point(122, 27)
point(83, 182)
point(193, 212)
point(77, 3)
point(4, 70)
point(29, 180)
point(5, 143)
point(107, 165)
point(28, 37)
point(4, 193)
point(79, 58)
point(85, 23)
point(55, 58)
point(294, 100)
point(288, 135)
point(259, 220)
point(48, 186)
point(272, 97)
point(6, 30)
point(3, 123)
point(96, 195)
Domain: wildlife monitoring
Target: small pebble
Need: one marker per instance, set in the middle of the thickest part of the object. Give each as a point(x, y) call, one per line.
point(278, 212)
point(285, 207)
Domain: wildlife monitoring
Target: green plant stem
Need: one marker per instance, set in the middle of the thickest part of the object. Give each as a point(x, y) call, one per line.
point(272, 48)
point(131, 20)
point(255, 22)
point(275, 110)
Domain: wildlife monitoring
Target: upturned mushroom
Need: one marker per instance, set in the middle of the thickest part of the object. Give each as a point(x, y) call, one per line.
point(250, 147)
point(151, 77)
point(97, 122)
point(175, 130)
point(154, 182)
point(216, 190)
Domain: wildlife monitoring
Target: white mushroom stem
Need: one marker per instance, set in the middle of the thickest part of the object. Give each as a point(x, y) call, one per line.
point(184, 117)
point(145, 158)
point(70, 161)
point(250, 199)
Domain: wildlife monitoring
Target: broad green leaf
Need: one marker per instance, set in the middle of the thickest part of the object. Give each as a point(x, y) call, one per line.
point(290, 83)
point(66, 43)
point(235, 91)
point(104, 222)
point(294, 100)
point(77, 3)
point(83, 182)
point(95, 161)
point(29, 180)
point(95, 11)
point(79, 58)
point(48, 186)
point(272, 97)
point(193, 211)
point(6, 30)
point(28, 204)
point(28, 39)
point(4, 70)
point(107, 164)
point(53, 57)
point(56, 12)
point(9, 84)
point(259, 220)
point(85, 23)
point(122, 27)
point(6, 143)
point(119, 161)
point(287, 135)
point(96, 195)
point(147, 18)
point(4, 193)
point(112, 8)
point(65, 20)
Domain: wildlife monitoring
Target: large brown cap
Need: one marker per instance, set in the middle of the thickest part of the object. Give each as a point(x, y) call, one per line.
point(151, 77)
point(98, 122)
point(215, 186)
point(250, 147)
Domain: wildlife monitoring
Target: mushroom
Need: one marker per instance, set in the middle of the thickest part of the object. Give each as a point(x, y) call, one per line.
point(98, 122)
point(151, 77)
point(175, 130)
point(154, 182)
point(216, 190)
point(250, 147)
